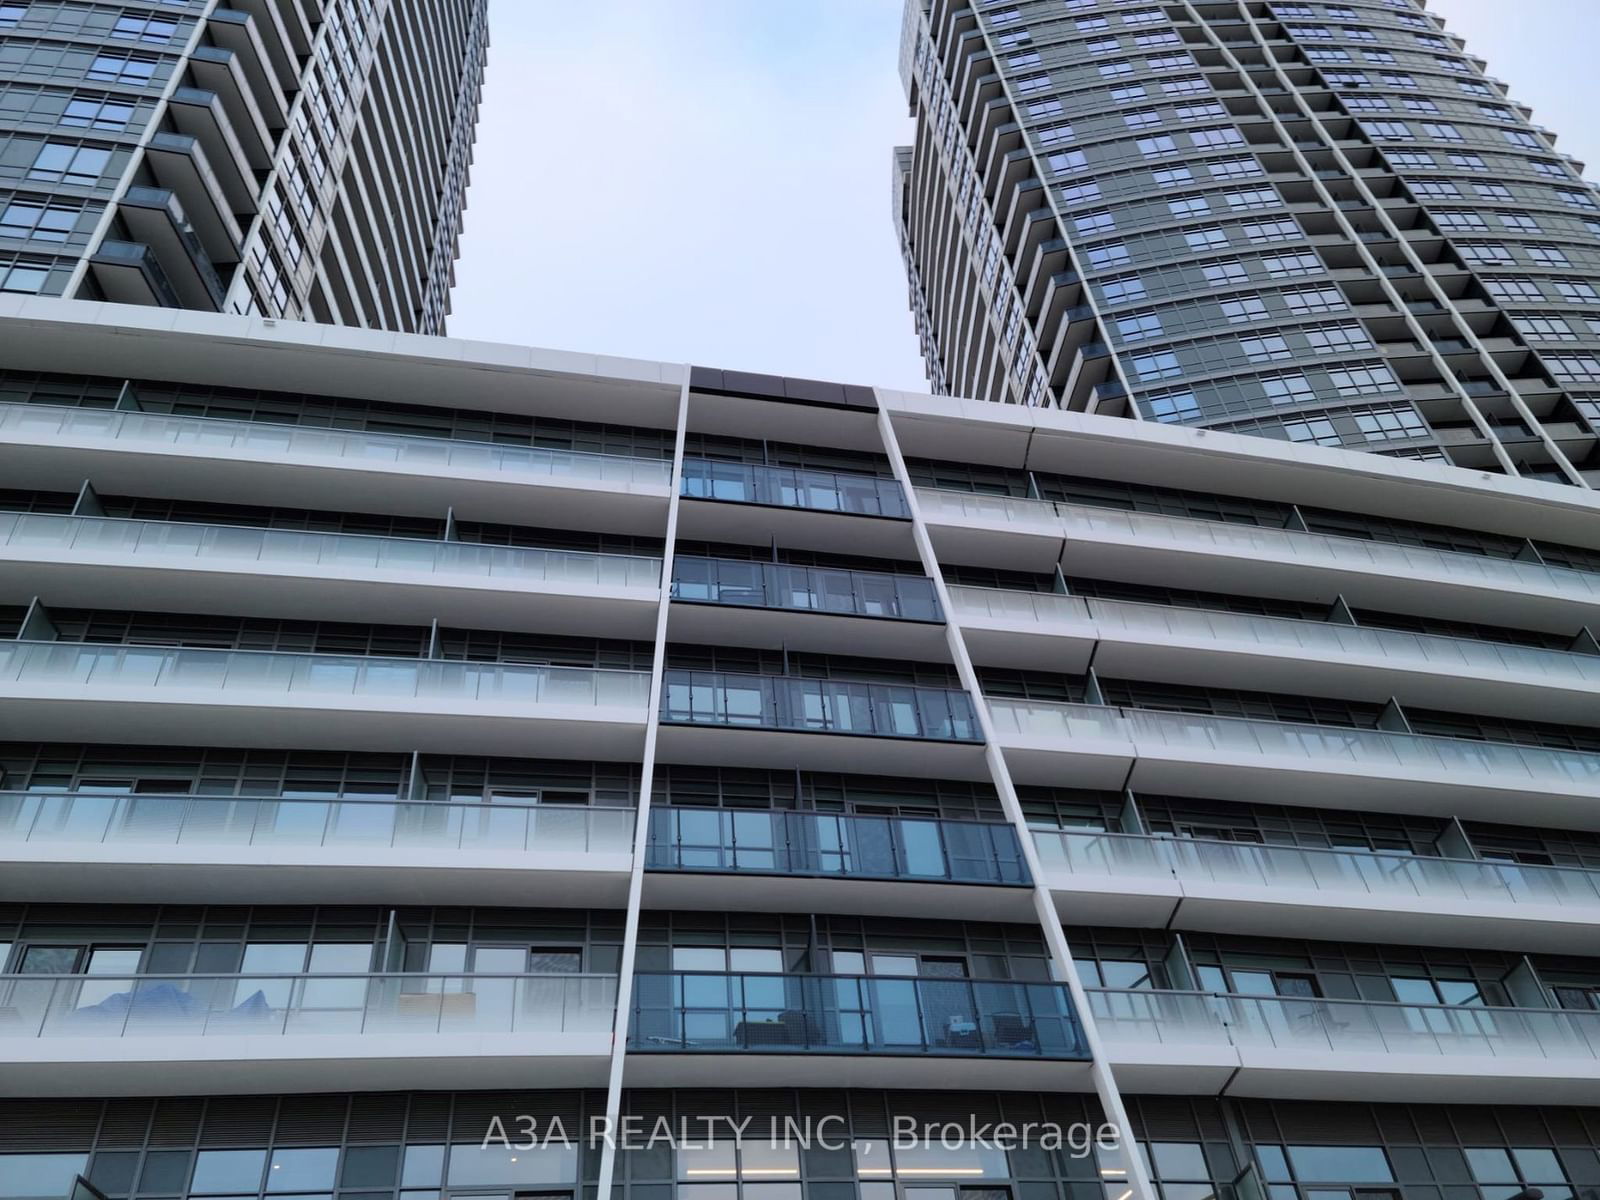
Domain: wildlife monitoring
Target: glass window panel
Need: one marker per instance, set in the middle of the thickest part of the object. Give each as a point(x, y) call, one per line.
point(39, 1175)
point(474, 1166)
point(369, 1166)
point(423, 1166)
point(1357, 1164)
point(301, 1170)
point(768, 1160)
point(1179, 1160)
point(1490, 1164)
point(228, 1171)
point(1539, 1166)
point(714, 1161)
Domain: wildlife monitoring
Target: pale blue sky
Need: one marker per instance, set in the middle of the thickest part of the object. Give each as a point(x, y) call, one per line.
point(707, 181)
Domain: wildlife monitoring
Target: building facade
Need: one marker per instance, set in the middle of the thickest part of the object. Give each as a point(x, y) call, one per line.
point(405, 739)
point(301, 159)
point(1320, 222)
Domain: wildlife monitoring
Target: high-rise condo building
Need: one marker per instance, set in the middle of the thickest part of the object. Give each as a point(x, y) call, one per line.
point(400, 734)
point(1321, 222)
point(415, 751)
point(305, 159)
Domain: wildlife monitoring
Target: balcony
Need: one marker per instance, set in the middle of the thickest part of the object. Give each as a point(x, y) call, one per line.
point(1168, 753)
point(73, 1035)
point(849, 1031)
point(1034, 535)
point(815, 509)
point(1296, 891)
point(1185, 645)
point(744, 603)
point(131, 273)
point(52, 691)
point(828, 724)
point(154, 217)
point(701, 858)
point(252, 462)
point(151, 849)
point(77, 561)
point(1276, 1046)
point(180, 164)
point(199, 115)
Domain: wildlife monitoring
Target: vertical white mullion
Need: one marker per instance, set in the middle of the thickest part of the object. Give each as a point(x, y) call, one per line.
point(641, 829)
point(1105, 1084)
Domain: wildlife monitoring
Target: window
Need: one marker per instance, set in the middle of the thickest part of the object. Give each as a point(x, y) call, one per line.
point(1080, 193)
point(1137, 326)
point(1518, 138)
point(88, 113)
point(10, 14)
point(1271, 231)
point(38, 220)
point(1041, 110)
point(121, 68)
point(1351, 381)
point(1402, 160)
point(1442, 131)
point(1574, 367)
point(1315, 299)
point(1224, 274)
point(1287, 389)
point(1521, 222)
point(1166, 177)
point(1111, 70)
point(1205, 239)
point(1244, 308)
point(1513, 289)
point(1253, 198)
point(1123, 95)
point(1169, 62)
point(1160, 144)
point(1033, 83)
point(1435, 189)
point(1141, 118)
point(1381, 424)
point(1109, 45)
point(1161, 365)
point(1210, 138)
point(1029, 58)
point(1264, 348)
point(1388, 130)
point(1121, 289)
point(23, 277)
point(1064, 161)
point(1090, 24)
point(1054, 135)
point(1577, 291)
point(1234, 168)
point(1493, 191)
point(1099, 221)
point(1468, 162)
point(1173, 406)
point(1189, 85)
point(1338, 337)
point(1458, 218)
point(1553, 329)
point(1484, 252)
point(1547, 256)
point(60, 162)
point(144, 29)
point(1577, 199)
point(1298, 262)
point(1109, 255)
point(1188, 206)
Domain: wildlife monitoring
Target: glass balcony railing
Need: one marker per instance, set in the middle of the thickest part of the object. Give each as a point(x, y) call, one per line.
point(1313, 549)
point(1313, 639)
point(201, 546)
point(793, 487)
point(97, 818)
point(818, 706)
point(1141, 1018)
point(1501, 762)
point(809, 589)
point(836, 845)
point(143, 669)
point(241, 1006)
point(1341, 873)
point(138, 430)
point(684, 1012)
